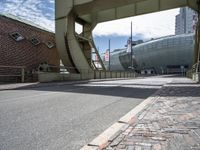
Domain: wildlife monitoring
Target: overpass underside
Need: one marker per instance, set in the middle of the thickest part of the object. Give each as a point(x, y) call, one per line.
point(75, 49)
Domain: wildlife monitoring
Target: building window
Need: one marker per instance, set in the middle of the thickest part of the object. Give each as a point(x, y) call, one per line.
point(50, 44)
point(17, 36)
point(35, 41)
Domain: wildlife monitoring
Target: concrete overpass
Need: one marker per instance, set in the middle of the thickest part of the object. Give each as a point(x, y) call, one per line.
point(75, 49)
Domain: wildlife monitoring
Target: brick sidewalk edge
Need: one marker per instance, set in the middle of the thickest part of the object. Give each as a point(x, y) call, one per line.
point(103, 140)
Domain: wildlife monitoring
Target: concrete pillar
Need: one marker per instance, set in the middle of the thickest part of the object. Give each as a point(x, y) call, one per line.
point(197, 42)
point(75, 50)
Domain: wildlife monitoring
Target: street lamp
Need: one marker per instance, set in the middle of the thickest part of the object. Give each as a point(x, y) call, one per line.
point(109, 52)
point(131, 65)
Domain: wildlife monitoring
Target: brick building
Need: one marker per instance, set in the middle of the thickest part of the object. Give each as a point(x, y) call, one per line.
point(25, 44)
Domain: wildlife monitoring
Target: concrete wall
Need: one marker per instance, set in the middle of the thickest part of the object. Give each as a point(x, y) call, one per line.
point(196, 77)
point(50, 77)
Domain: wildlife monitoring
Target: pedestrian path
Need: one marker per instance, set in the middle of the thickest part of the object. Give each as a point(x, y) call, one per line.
point(171, 122)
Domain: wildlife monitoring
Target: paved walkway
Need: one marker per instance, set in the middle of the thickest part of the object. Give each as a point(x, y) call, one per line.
point(172, 122)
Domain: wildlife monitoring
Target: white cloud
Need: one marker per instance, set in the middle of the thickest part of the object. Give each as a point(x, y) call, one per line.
point(42, 12)
point(150, 25)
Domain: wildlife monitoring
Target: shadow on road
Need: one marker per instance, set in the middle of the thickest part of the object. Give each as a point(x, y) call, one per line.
point(132, 91)
point(141, 91)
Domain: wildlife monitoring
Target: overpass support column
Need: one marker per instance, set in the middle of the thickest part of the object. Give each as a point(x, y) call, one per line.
point(84, 40)
point(88, 46)
point(75, 49)
point(68, 46)
point(197, 41)
point(61, 22)
point(77, 52)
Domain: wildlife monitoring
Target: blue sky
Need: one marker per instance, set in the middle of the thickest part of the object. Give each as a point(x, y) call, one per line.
point(38, 11)
point(116, 41)
point(42, 12)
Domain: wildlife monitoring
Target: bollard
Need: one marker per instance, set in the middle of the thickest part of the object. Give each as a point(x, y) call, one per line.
point(22, 75)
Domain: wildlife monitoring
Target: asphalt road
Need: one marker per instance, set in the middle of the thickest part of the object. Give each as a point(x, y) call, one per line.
point(67, 116)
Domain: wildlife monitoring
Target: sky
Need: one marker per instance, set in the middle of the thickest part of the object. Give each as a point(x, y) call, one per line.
point(42, 12)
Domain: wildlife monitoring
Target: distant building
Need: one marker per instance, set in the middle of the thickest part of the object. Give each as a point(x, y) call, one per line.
point(167, 55)
point(186, 21)
point(24, 44)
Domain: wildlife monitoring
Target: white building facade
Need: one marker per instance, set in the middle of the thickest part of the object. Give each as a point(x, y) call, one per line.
point(186, 21)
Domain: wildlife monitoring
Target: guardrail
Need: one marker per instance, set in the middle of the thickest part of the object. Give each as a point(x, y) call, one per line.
point(12, 72)
point(85, 74)
point(53, 73)
point(97, 73)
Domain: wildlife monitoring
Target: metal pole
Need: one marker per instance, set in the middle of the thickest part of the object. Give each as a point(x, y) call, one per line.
point(198, 55)
point(198, 38)
point(131, 45)
point(109, 52)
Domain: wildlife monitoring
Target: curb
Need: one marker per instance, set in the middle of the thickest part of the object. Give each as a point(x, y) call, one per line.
point(38, 84)
point(105, 138)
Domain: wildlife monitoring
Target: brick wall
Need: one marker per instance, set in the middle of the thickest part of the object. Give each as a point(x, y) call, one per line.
point(24, 53)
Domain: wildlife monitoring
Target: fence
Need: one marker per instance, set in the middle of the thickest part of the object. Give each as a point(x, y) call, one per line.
point(84, 74)
point(113, 74)
point(53, 73)
point(12, 73)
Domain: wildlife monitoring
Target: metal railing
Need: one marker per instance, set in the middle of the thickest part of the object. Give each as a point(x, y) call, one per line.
point(12, 73)
point(22, 74)
point(195, 69)
point(103, 73)
point(83, 74)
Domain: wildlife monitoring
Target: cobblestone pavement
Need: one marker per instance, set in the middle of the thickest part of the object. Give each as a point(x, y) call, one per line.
point(172, 122)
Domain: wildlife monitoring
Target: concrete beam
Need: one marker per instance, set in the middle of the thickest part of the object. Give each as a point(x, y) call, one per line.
point(116, 9)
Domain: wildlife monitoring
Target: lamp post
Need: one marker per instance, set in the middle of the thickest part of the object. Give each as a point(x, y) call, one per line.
point(131, 46)
point(109, 53)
